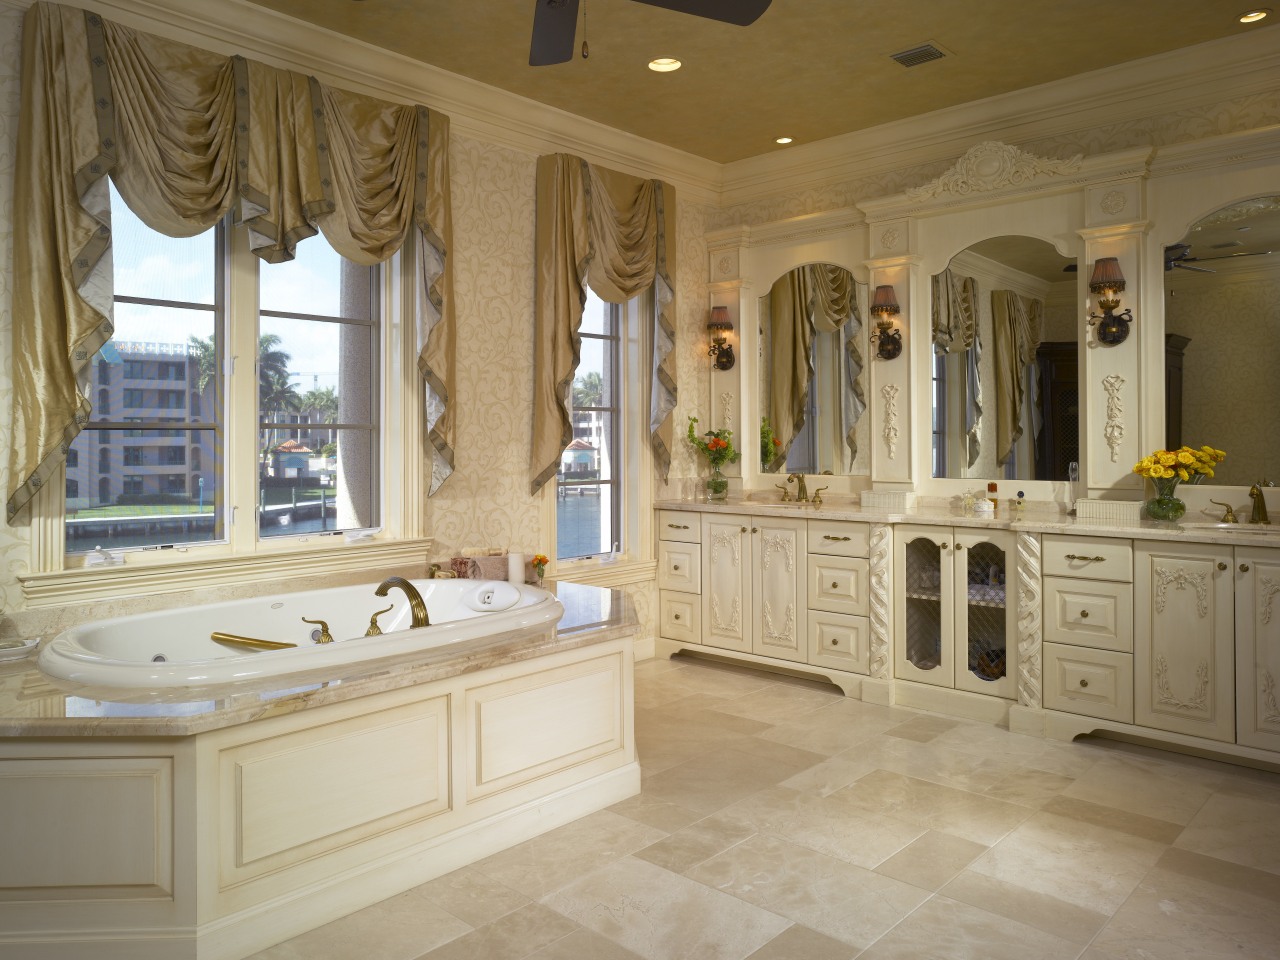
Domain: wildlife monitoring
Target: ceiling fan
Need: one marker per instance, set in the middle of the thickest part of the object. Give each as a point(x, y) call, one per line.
point(1178, 256)
point(554, 22)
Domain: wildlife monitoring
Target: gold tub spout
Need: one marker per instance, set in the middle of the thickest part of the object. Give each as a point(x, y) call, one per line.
point(416, 605)
point(233, 640)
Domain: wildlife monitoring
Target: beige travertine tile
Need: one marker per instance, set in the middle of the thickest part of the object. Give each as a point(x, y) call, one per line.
point(1090, 866)
point(922, 729)
point(827, 732)
point(1195, 908)
point(701, 841)
point(717, 779)
point(800, 943)
point(931, 860)
point(1040, 910)
point(778, 703)
point(403, 927)
point(472, 896)
point(661, 915)
point(1239, 829)
point(1151, 790)
point(831, 896)
point(1134, 824)
point(656, 813)
point(945, 929)
point(546, 863)
point(581, 945)
point(1028, 787)
point(512, 937)
point(831, 775)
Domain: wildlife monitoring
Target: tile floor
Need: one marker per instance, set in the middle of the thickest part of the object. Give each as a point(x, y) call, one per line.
point(780, 821)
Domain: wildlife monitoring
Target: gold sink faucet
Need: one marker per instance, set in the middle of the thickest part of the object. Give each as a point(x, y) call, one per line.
point(802, 492)
point(1259, 514)
point(416, 605)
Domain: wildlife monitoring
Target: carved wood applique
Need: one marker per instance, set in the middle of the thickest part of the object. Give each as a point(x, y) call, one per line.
point(881, 557)
point(890, 394)
point(785, 638)
point(1030, 627)
point(1198, 701)
point(1267, 590)
point(1113, 430)
point(991, 166)
point(1182, 579)
point(1271, 710)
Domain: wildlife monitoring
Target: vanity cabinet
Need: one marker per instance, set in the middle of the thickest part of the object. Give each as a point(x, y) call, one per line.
point(680, 576)
point(838, 582)
point(1184, 638)
point(953, 624)
point(753, 585)
point(1257, 582)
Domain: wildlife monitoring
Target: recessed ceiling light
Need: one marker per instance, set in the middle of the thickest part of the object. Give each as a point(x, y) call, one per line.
point(664, 64)
point(783, 140)
point(1253, 16)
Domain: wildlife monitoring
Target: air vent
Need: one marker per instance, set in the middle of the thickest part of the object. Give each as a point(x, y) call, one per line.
point(918, 55)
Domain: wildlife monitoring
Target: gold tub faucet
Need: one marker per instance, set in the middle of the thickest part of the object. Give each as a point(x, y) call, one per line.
point(416, 605)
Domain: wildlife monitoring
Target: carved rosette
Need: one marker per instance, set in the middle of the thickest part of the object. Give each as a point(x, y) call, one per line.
point(890, 394)
point(1113, 201)
point(1182, 579)
point(889, 239)
point(1030, 626)
point(991, 166)
point(881, 557)
point(1113, 430)
point(1197, 701)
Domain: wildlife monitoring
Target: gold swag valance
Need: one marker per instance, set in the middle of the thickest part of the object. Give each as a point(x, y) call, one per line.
point(615, 233)
point(187, 136)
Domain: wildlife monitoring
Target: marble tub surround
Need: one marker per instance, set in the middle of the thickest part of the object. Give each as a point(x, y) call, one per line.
point(988, 846)
point(32, 704)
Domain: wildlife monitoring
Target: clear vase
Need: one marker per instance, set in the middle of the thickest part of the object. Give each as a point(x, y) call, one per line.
point(1165, 506)
point(717, 485)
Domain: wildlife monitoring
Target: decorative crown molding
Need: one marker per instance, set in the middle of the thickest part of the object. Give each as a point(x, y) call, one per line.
point(990, 166)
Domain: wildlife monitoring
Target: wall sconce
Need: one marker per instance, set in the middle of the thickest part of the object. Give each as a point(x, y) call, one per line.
point(884, 307)
point(719, 328)
point(1107, 284)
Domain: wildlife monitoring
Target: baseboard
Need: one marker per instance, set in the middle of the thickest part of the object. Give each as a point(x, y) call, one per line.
point(1028, 721)
point(954, 703)
point(112, 945)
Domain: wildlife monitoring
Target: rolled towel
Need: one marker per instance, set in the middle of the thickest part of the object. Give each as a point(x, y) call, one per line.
point(487, 568)
point(492, 595)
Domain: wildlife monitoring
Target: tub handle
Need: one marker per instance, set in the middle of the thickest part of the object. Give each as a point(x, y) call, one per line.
point(251, 642)
point(325, 635)
point(374, 630)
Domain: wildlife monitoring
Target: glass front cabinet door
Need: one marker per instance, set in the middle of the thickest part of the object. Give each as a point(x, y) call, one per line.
point(953, 626)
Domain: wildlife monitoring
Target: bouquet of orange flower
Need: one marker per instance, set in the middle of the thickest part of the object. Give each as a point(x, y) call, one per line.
point(716, 445)
point(769, 444)
point(540, 561)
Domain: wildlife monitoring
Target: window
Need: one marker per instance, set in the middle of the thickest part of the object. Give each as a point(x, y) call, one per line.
point(175, 484)
point(133, 486)
point(104, 371)
point(104, 461)
point(135, 370)
point(133, 456)
point(73, 459)
point(133, 400)
point(104, 401)
point(173, 456)
point(73, 489)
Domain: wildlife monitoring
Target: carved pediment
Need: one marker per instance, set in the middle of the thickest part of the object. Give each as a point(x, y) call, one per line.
point(991, 166)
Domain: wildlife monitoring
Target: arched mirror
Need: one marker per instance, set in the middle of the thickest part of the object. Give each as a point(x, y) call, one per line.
point(1006, 330)
point(812, 358)
point(1222, 339)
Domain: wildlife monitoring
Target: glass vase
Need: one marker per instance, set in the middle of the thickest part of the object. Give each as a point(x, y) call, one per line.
point(1165, 506)
point(717, 485)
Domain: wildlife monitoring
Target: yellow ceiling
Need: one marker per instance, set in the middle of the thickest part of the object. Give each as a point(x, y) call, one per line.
point(808, 69)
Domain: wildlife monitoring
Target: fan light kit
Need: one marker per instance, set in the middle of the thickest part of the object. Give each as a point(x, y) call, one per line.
point(664, 64)
point(783, 140)
point(1253, 16)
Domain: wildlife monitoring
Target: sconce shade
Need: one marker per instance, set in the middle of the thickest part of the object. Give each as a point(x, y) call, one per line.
point(1107, 283)
point(1107, 276)
point(720, 323)
point(885, 302)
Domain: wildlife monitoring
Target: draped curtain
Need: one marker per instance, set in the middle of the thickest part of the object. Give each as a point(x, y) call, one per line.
point(811, 298)
point(615, 233)
point(187, 136)
point(1016, 323)
point(955, 328)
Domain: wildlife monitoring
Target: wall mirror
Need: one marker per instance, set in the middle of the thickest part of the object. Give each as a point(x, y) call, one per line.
point(1222, 337)
point(1006, 329)
point(812, 372)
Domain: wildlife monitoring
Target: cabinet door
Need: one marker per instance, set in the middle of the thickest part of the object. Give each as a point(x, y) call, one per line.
point(1258, 646)
point(726, 581)
point(1183, 643)
point(778, 588)
point(923, 572)
point(986, 625)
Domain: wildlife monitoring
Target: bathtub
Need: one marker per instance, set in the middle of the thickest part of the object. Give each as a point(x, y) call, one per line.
point(172, 649)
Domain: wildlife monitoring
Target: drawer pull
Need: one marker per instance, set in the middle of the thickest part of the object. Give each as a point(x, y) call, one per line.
point(835, 584)
point(744, 529)
point(827, 536)
point(835, 643)
point(1083, 684)
point(675, 566)
point(1084, 614)
point(1221, 565)
point(1244, 568)
point(1072, 556)
point(678, 526)
point(677, 616)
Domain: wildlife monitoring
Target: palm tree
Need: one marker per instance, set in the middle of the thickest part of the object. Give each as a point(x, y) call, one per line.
point(273, 365)
point(278, 397)
point(322, 400)
point(205, 357)
point(588, 390)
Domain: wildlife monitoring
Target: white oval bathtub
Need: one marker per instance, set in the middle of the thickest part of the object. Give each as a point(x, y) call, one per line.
point(172, 648)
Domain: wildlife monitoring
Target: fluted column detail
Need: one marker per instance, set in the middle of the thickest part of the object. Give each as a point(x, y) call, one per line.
point(1030, 625)
point(881, 610)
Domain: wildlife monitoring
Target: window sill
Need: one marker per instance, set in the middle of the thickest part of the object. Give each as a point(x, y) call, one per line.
point(109, 582)
point(607, 573)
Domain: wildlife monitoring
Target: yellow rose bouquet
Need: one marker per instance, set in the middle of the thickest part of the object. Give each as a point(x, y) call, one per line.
point(1167, 468)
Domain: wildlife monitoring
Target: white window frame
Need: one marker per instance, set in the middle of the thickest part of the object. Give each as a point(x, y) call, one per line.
point(243, 557)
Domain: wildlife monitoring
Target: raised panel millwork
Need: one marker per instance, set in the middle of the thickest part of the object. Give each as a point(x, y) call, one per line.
point(839, 641)
point(838, 584)
point(726, 581)
point(679, 566)
point(87, 829)
point(1258, 647)
point(839, 538)
point(1089, 613)
point(675, 525)
point(778, 589)
point(680, 616)
point(362, 777)
point(1095, 558)
point(1094, 683)
point(529, 727)
point(1184, 645)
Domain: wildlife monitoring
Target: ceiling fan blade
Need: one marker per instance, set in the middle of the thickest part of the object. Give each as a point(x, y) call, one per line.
point(1235, 256)
point(1187, 266)
point(741, 13)
point(554, 24)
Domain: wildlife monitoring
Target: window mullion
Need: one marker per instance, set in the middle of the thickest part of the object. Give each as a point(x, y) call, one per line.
point(240, 359)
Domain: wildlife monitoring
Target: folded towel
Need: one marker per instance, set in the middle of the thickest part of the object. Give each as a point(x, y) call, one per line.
point(487, 568)
point(459, 566)
point(492, 595)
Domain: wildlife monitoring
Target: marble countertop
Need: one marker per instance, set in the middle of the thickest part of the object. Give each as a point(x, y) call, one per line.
point(34, 705)
point(1037, 517)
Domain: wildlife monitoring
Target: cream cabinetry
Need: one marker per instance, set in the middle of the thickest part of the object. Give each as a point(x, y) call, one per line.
point(837, 573)
point(753, 585)
point(1184, 643)
point(680, 576)
point(952, 622)
point(1257, 579)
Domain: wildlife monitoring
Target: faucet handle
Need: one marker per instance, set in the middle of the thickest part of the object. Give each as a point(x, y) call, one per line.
point(1229, 516)
point(786, 494)
point(816, 497)
point(325, 635)
point(374, 630)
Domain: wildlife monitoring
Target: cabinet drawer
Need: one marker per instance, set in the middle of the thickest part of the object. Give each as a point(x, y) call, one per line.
point(839, 641)
point(1094, 683)
point(674, 525)
point(1088, 613)
point(839, 538)
point(1098, 558)
point(680, 616)
point(838, 584)
point(679, 566)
